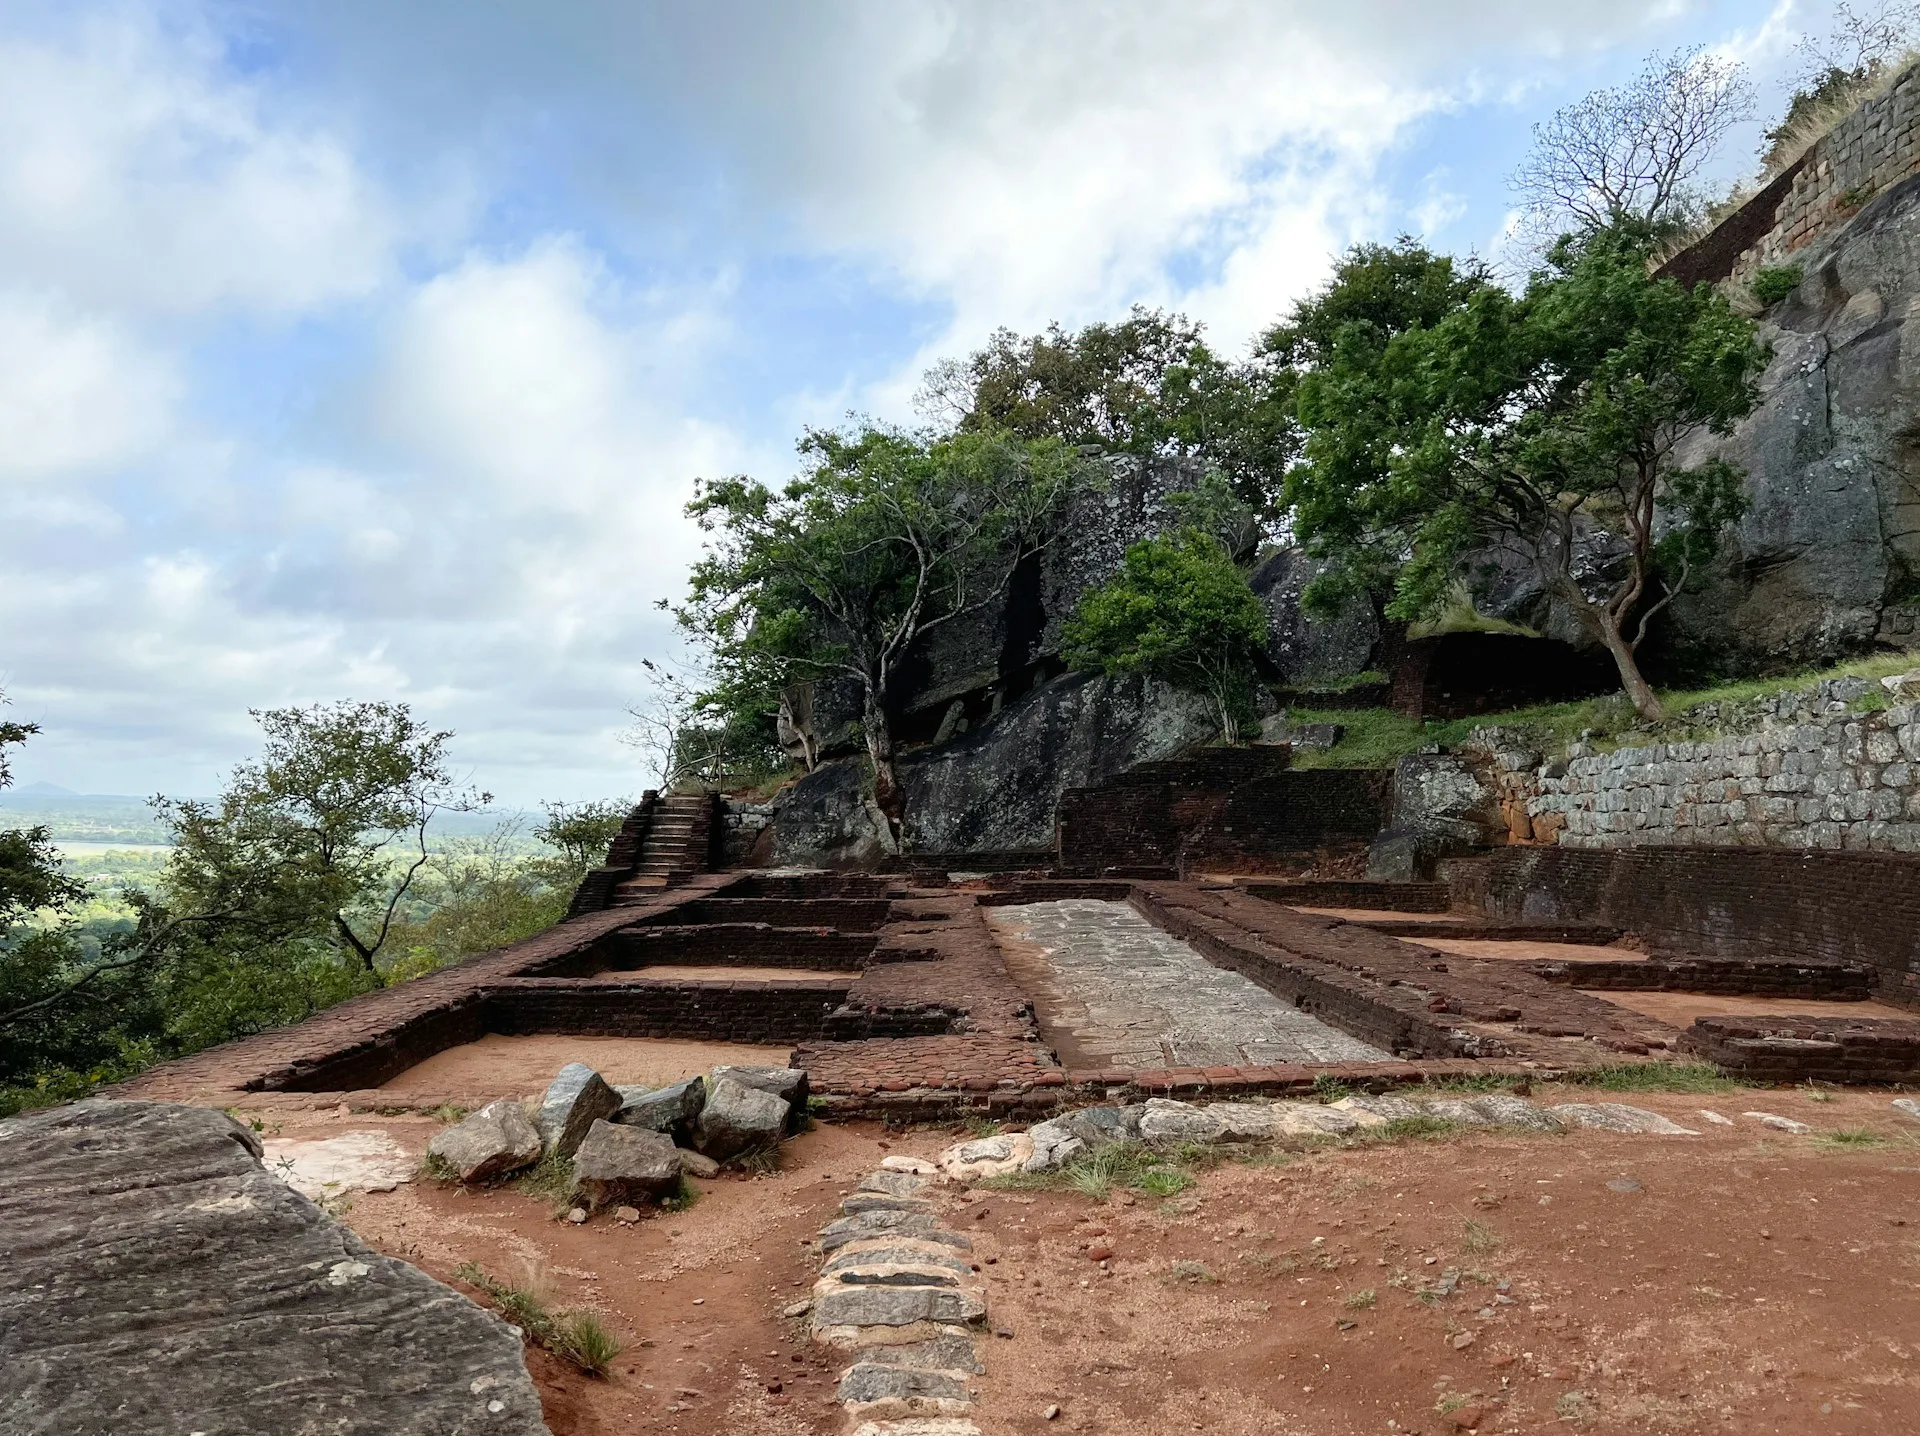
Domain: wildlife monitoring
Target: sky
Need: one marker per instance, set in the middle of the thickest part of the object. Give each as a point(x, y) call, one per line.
point(370, 349)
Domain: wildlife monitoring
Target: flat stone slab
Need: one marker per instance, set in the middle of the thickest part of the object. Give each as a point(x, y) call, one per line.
point(160, 1281)
point(950, 1352)
point(333, 1166)
point(1125, 994)
point(839, 1232)
point(836, 1304)
point(1618, 1117)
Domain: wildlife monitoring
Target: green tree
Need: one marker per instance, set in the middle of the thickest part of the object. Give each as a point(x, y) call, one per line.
point(1179, 610)
point(884, 536)
point(1527, 423)
point(298, 871)
point(1147, 385)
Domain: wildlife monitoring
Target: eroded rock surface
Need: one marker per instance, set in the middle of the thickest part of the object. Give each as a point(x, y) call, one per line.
point(158, 1279)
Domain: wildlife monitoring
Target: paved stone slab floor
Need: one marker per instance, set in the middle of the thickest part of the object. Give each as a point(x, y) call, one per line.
point(1112, 990)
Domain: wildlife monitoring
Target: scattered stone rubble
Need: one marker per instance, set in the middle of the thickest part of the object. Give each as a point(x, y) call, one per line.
point(628, 1145)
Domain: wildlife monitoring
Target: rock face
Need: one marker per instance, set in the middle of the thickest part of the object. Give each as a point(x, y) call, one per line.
point(1441, 804)
point(490, 1143)
point(616, 1164)
point(1828, 558)
point(156, 1274)
point(995, 787)
point(1307, 650)
point(737, 1118)
point(577, 1099)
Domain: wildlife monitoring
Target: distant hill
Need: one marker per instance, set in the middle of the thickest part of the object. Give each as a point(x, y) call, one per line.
point(119, 818)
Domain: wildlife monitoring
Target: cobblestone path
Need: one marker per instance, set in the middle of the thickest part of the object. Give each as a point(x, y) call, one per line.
point(1112, 990)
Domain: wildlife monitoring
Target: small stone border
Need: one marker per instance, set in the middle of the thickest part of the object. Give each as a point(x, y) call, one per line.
point(901, 1292)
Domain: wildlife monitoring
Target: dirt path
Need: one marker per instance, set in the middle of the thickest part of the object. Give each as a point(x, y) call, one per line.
point(1740, 1281)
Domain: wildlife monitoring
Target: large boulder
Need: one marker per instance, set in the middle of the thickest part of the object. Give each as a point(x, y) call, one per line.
point(1827, 558)
point(1310, 651)
point(577, 1099)
point(496, 1140)
point(737, 1119)
point(615, 1165)
point(997, 787)
point(673, 1109)
point(159, 1280)
point(789, 1084)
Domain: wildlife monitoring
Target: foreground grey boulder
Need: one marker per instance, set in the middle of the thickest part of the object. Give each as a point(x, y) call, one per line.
point(577, 1099)
point(663, 1109)
point(738, 1118)
point(789, 1084)
point(617, 1164)
point(158, 1281)
point(497, 1139)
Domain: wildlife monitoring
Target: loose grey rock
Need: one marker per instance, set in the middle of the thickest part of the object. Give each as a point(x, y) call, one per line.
point(949, 1352)
point(838, 1233)
point(496, 1140)
point(867, 1382)
point(1618, 1117)
point(671, 1109)
point(1103, 1126)
point(789, 1084)
point(1054, 1145)
point(157, 1303)
point(894, 1184)
point(618, 1164)
point(923, 1255)
point(1907, 1107)
point(577, 1099)
point(694, 1164)
point(841, 1305)
point(1168, 1121)
point(987, 1157)
point(1779, 1123)
point(881, 1202)
point(738, 1118)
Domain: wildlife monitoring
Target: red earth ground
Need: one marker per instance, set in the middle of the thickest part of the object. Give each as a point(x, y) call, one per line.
point(1743, 1280)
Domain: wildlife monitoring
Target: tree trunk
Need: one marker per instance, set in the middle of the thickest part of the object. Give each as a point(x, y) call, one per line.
point(888, 796)
point(1645, 702)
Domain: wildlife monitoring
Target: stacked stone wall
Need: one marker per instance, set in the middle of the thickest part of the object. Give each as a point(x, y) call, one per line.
point(1874, 148)
point(1806, 770)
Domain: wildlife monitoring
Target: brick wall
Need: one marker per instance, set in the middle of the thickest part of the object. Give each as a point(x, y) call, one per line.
point(1809, 1049)
point(1751, 904)
point(719, 1011)
point(1870, 151)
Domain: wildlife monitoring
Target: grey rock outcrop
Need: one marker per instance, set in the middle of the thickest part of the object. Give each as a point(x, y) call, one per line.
point(1308, 650)
point(673, 1109)
point(1441, 804)
point(496, 1140)
point(578, 1098)
point(616, 1164)
point(737, 1118)
point(160, 1281)
point(1828, 557)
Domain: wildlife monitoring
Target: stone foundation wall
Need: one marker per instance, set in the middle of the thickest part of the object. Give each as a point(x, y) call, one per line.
point(1809, 1049)
point(1800, 770)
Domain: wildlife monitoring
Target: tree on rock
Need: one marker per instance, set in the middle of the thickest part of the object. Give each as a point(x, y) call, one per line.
point(1531, 424)
point(883, 537)
point(1179, 610)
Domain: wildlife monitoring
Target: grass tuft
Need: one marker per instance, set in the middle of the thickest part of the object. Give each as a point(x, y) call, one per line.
point(1361, 1300)
point(437, 1168)
point(548, 1180)
point(760, 1161)
point(1856, 1137)
point(575, 1336)
point(1481, 1238)
point(1653, 1077)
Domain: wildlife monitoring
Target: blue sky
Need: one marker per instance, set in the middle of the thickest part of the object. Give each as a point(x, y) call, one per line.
point(369, 349)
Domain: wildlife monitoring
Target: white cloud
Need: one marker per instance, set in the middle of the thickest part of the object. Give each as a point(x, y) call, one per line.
point(137, 171)
point(76, 393)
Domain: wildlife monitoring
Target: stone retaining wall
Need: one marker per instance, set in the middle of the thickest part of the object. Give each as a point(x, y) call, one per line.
point(1801, 770)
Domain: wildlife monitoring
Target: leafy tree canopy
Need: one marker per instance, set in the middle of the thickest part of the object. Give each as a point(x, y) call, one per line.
point(1148, 385)
point(1179, 610)
point(1528, 422)
point(883, 536)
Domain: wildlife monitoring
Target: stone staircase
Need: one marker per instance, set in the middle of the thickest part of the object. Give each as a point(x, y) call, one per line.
point(674, 847)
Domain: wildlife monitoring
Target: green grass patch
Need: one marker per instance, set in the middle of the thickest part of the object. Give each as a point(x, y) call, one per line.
point(1653, 1077)
point(439, 1169)
point(681, 1200)
point(1481, 1238)
point(578, 1337)
point(760, 1161)
point(548, 1180)
point(1856, 1137)
point(1376, 737)
point(1361, 1300)
point(1406, 1129)
point(1133, 1166)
